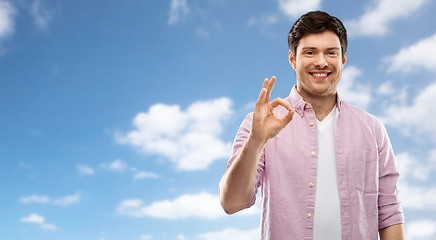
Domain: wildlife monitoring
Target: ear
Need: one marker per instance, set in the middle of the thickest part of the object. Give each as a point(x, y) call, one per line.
point(344, 60)
point(292, 60)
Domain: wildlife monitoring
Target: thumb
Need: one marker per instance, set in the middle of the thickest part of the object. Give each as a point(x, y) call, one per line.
point(288, 118)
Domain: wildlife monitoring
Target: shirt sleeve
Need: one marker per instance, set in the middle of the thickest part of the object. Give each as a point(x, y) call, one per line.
point(390, 211)
point(238, 144)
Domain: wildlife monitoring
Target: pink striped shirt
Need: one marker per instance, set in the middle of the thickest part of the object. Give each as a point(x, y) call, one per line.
point(366, 173)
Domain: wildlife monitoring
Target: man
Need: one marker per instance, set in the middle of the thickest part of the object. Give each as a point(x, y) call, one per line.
point(326, 168)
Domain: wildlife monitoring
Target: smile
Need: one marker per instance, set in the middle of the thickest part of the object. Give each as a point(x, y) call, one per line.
point(320, 74)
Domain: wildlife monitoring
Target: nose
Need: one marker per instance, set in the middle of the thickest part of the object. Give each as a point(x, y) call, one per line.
point(321, 61)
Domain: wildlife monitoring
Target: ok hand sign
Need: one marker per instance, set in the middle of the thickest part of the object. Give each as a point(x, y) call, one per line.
point(265, 124)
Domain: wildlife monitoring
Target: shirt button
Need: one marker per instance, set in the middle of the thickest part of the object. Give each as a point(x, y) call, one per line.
point(313, 153)
point(309, 215)
point(310, 184)
point(311, 123)
point(307, 106)
point(301, 112)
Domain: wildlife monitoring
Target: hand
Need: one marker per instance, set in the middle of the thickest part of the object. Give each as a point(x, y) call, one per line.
point(265, 124)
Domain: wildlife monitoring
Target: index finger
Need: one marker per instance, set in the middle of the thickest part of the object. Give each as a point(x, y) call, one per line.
point(262, 94)
point(270, 87)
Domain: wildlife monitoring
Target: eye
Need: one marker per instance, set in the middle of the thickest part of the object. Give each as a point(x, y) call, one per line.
point(333, 53)
point(309, 53)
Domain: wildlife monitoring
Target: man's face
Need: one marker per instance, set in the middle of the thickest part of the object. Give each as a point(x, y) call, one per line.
point(318, 63)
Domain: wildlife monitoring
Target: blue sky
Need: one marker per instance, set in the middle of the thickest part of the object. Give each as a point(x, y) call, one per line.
point(117, 117)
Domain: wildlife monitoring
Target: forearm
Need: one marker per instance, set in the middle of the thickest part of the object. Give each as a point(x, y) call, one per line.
point(237, 184)
point(394, 232)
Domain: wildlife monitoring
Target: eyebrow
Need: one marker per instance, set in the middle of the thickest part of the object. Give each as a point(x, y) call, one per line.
point(313, 48)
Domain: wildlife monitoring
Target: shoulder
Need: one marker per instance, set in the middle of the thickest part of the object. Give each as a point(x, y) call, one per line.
point(357, 112)
point(358, 115)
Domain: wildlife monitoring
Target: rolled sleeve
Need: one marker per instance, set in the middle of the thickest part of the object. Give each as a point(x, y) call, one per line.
point(238, 144)
point(390, 211)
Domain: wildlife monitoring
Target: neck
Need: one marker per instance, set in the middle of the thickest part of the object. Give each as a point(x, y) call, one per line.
point(322, 105)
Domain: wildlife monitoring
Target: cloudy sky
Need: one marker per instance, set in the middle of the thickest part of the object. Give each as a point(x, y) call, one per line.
point(117, 117)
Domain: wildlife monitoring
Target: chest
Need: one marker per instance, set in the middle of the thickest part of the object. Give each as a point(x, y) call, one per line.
point(292, 156)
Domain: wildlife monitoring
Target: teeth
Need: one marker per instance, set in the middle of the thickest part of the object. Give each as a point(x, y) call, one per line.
point(320, 74)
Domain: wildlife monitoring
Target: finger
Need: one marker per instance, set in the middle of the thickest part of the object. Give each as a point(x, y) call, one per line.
point(265, 83)
point(261, 99)
point(281, 101)
point(270, 87)
point(288, 117)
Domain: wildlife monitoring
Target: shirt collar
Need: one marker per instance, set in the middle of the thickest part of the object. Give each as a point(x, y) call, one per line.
point(300, 105)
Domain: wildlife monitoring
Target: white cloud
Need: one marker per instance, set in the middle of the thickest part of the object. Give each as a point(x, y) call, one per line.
point(63, 201)
point(143, 174)
point(415, 118)
point(263, 20)
point(432, 156)
point(390, 92)
point(263, 23)
point(202, 33)
point(116, 166)
point(417, 197)
point(421, 230)
point(414, 58)
point(35, 131)
point(35, 199)
point(412, 169)
point(386, 89)
point(7, 22)
point(377, 18)
point(119, 166)
point(38, 219)
point(178, 10)
point(295, 8)
point(202, 205)
point(41, 15)
point(49, 226)
point(33, 218)
point(181, 237)
point(25, 165)
point(146, 237)
point(129, 204)
point(85, 170)
point(231, 234)
point(188, 138)
point(67, 200)
point(353, 92)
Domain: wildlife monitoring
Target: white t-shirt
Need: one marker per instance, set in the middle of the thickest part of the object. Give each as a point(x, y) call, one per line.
point(327, 216)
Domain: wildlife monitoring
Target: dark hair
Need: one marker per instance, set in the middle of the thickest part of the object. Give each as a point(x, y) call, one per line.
point(316, 22)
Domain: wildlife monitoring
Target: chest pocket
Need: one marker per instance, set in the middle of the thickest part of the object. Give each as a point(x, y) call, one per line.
point(364, 170)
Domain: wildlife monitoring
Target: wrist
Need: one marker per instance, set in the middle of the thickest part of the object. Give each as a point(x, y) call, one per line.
point(255, 144)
